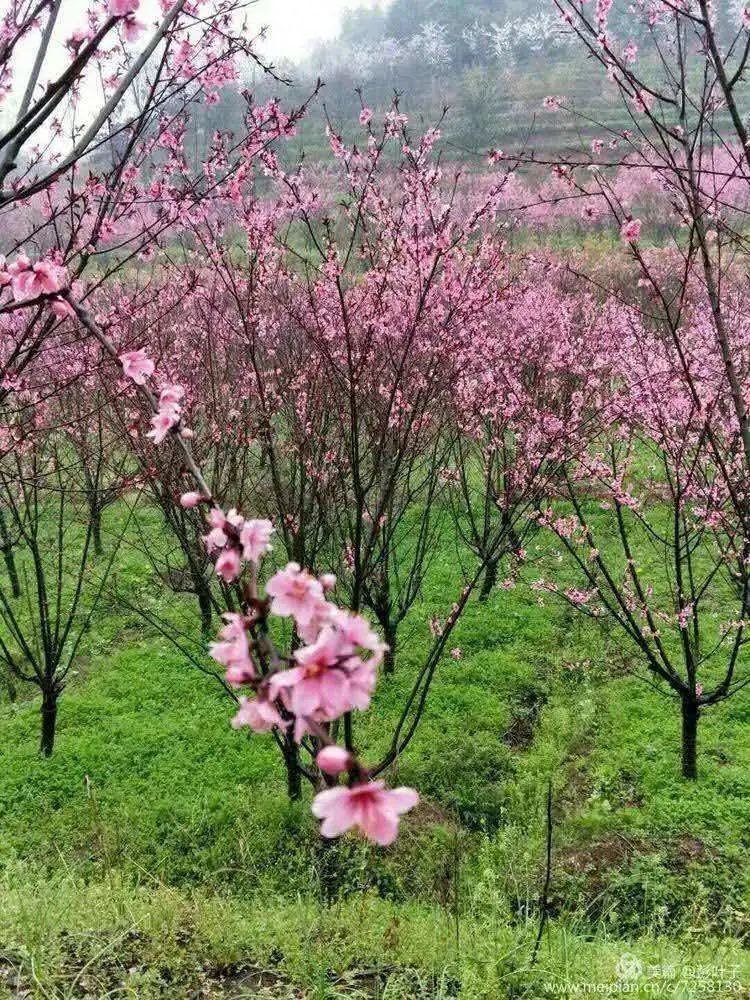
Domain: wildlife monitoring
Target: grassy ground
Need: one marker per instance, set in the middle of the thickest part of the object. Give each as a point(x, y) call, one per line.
point(154, 854)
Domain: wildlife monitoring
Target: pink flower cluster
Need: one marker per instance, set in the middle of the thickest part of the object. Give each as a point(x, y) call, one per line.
point(233, 650)
point(126, 9)
point(169, 413)
point(630, 230)
point(137, 366)
point(235, 538)
point(29, 281)
point(331, 677)
point(334, 673)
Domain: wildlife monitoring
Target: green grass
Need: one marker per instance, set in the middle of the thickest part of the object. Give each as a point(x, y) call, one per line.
point(154, 854)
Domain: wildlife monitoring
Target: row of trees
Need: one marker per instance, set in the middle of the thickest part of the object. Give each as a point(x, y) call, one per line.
point(378, 376)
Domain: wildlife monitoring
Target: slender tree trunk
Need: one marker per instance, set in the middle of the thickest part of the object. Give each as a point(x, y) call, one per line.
point(10, 565)
point(391, 637)
point(204, 603)
point(293, 773)
point(8, 557)
point(96, 528)
point(690, 714)
point(49, 721)
point(490, 578)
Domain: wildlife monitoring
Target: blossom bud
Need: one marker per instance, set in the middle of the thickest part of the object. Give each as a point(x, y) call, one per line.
point(333, 759)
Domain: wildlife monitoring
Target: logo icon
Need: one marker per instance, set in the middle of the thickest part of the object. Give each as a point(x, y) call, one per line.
point(628, 967)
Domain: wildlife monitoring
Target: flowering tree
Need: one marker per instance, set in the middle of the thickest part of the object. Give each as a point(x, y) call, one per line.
point(678, 400)
point(523, 414)
point(138, 191)
point(296, 695)
point(104, 468)
point(59, 218)
point(42, 634)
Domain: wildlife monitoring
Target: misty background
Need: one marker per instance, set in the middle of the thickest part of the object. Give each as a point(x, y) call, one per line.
point(489, 62)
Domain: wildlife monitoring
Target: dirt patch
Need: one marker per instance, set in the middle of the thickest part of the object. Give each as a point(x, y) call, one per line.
point(243, 979)
point(100, 964)
point(520, 733)
point(427, 814)
point(600, 856)
point(10, 978)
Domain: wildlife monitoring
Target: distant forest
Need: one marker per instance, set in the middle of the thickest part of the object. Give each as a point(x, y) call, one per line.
point(490, 62)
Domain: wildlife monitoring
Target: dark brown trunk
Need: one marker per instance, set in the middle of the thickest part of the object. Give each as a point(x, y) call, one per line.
point(9, 558)
point(96, 529)
point(293, 773)
point(49, 721)
point(690, 714)
point(204, 603)
point(490, 579)
point(10, 565)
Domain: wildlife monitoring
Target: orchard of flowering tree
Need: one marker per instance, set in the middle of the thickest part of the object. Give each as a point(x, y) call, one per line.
point(374, 501)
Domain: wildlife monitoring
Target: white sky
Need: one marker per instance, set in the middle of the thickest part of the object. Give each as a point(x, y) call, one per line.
point(295, 25)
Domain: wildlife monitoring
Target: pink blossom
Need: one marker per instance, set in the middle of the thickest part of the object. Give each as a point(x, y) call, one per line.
point(368, 806)
point(233, 651)
point(161, 424)
point(365, 116)
point(120, 8)
point(294, 592)
point(217, 537)
point(41, 278)
point(191, 499)
point(169, 413)
point(132, 28)
point(137, 366)
point(20, 264)
point(578, 597)
point(328, 681)
point(551, 103)
point(255, 537)
point(319, 686)
point(228, 565)
point(261, 715)
point(456, 653)
point(684, 615)
point(171, 395)
point(354, 631)
point(333, 759)
point(77, 38)
point(698, 690)
point(62, 309)
point(630, 230)
point(322, 616)
point(603, 8)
